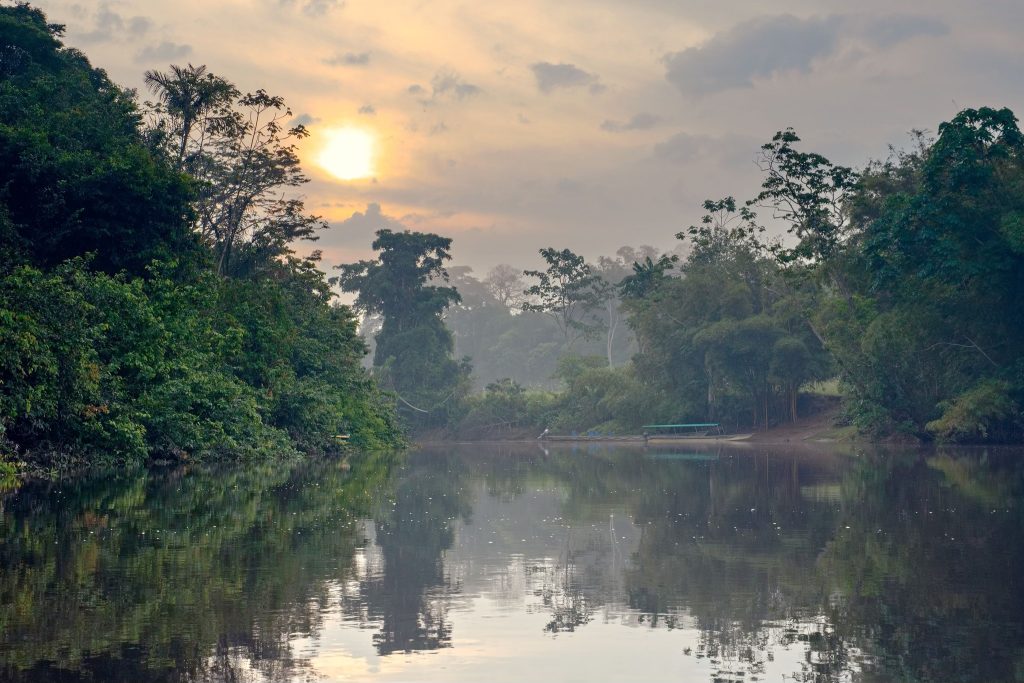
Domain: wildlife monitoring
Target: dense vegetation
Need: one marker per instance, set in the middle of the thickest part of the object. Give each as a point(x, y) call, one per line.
point(150, 304)
point(901, 279)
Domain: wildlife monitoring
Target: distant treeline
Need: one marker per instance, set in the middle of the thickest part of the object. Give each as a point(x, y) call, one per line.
point(150, 305)
point(902, 280)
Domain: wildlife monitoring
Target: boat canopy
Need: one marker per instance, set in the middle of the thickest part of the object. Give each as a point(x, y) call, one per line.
point(682, 426)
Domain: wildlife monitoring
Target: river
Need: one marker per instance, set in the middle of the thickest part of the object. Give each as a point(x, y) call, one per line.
point(519, 563)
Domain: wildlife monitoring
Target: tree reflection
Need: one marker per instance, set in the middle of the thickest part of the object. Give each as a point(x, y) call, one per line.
point(410, 597)
point(888, 566)
point(180, 576)
point(927, 562)
point(563, 593)
point(730, 546)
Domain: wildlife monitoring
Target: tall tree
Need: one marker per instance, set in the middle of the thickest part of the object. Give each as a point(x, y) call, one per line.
point(191, 103)
point(565, 291)
point(245, 156)
point(808, 192)
point(414, 349)
point(607, 291)
point(157, 357)
point(941, 257)
point(724, 337)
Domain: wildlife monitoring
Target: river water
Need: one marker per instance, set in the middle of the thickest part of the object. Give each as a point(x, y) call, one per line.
point(516, 563)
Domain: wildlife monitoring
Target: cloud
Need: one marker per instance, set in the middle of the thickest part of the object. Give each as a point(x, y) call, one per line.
point(349, 59)
point(139, 26)
point(550, 77)
point(108, 22)
point(314, 8)
point(447, 83)
point(682, 148)
point(685, 148)
point(769, 46)
point(759, 48)
point(641, 121)
point(359, 228)
point(415, 89)
point(109, 26)
point(888, 31)
point(317, 8)
point(368, 110)
point(303, 120)
point(163, 52)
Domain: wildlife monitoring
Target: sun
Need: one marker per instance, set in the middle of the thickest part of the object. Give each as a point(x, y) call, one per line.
point(348, 154)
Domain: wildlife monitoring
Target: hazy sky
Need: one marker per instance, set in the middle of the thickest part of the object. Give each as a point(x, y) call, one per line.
point(512, 126)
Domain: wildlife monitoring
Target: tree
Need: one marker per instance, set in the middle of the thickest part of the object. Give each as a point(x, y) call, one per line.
point(724, 337)
point(646, 276)
point(506, 285)
point(476, 317)
point(808, 192)
point(611, 274)
point(246, 160)
point(414, 348)
point(192, 105)
point(566, 292)
point(941, 262)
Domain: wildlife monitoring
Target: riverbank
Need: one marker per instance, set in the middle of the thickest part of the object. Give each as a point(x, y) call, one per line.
point(819, 427)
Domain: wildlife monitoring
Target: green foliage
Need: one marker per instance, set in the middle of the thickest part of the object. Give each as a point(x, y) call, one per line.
point(984, 412)
point(245, 160)
point(808, 192)
point(119, 357)
point(647, 276)
point(594, 397)
point(414, 349)
point(567, 291)
point(610, 400)
point(503, 407)
point(96, 366)
point(725, 339)
point(96, 370)
point(932, 323)
point(75, 173)
point(304, 354)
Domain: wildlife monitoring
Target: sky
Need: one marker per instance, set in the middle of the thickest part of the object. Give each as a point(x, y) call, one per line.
point(587, 124)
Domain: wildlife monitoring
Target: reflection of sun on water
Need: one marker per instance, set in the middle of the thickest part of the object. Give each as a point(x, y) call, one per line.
point(348, 154)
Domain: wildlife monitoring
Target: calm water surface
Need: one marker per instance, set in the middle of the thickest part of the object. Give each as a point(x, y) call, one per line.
point(516, 563)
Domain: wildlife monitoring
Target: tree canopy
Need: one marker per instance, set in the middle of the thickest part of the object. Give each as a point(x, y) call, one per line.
point(414, 350)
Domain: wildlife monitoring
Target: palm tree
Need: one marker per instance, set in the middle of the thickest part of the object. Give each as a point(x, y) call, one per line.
point(189, 93)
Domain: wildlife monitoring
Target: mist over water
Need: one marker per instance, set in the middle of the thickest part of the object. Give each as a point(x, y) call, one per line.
point(512, 563)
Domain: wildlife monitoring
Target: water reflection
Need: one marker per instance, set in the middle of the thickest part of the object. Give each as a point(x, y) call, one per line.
point(508, 563)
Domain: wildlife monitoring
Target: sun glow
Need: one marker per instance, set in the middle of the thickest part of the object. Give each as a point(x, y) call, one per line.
point(348, 154)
